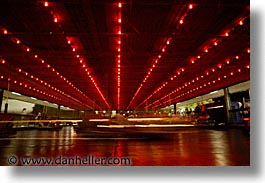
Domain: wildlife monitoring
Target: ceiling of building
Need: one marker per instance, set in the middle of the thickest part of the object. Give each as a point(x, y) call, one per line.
point(130, 54)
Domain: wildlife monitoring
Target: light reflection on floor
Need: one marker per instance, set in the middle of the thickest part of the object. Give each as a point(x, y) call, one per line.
point(192, 147)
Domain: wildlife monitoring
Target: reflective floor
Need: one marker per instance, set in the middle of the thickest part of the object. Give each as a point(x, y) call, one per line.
point(190, 147)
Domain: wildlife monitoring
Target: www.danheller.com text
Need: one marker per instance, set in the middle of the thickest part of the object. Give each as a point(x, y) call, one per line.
point(89, 160)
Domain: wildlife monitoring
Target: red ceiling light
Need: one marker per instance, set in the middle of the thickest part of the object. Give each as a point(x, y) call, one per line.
point(190, 6)
point(55, 19)
point(241, 22)
point(18, 42)
point(248, 50)
point(28, 49)
point(119, 20)
point(46, 4)
point(3, 61)
point(73, 49)
point(181, 21)
point(237, 57)
point(215, 43)
point(119, 5)
point(226, 34)
point(5, 32)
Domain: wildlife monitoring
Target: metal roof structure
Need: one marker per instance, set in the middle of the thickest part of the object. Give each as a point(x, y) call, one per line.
point(129, 54)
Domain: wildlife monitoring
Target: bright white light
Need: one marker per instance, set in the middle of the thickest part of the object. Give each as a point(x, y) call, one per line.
point(219, 106)
point(144, 119)
point(15, 93)
point(99, 120)
point(214, 92)
point(33, 98)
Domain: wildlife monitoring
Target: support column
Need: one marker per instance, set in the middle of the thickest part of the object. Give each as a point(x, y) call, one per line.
point(78, 114)
point(175, 108)
point(85, 113)
point(58, 111)
point(228, 106)
point(6, 104)
point(1, 98)
point(6, 108)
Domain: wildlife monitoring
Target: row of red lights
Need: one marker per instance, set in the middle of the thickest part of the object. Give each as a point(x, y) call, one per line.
point(163, 85)
point(80, 60)
point(41, 82)
point(214, 42)
point(25, 85)
point(42, 61)
point(206, 84)
point(207, 73)
point(158, 58)
point(47, 85)
point(119, 54)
